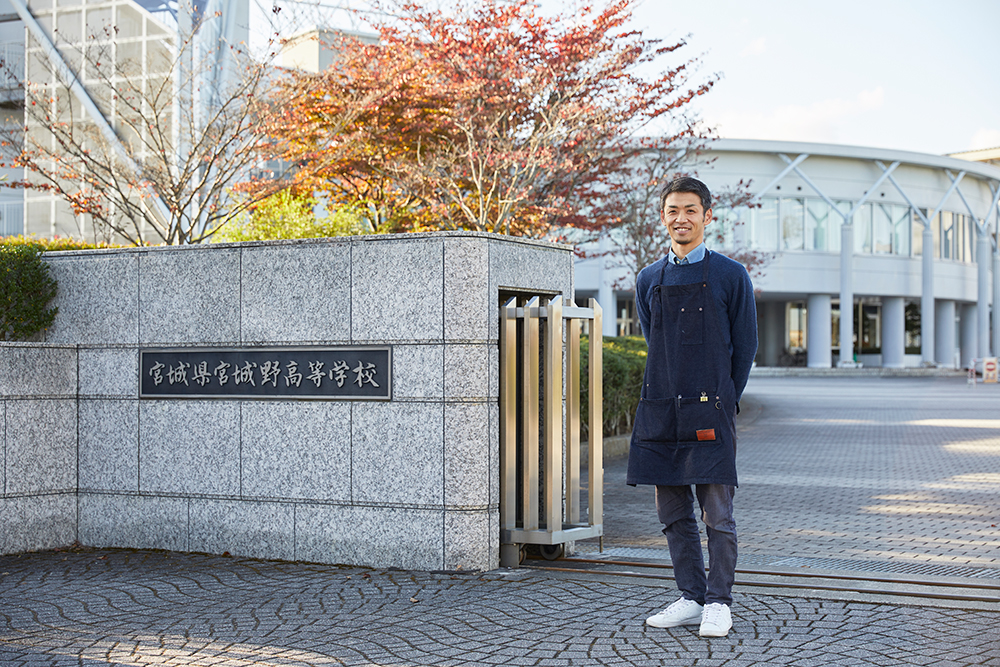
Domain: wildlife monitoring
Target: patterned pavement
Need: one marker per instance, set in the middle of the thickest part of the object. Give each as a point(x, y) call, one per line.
point(878, 469)
point(873, 470)
point(105, 607)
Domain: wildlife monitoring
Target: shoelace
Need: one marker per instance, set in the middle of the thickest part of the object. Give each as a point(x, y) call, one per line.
point(683, 603)
point(713, 614)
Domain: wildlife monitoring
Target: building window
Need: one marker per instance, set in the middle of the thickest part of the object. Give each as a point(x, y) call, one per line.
point(968, 238)
point(947, 235)
point(863, 229)
point(835, 324)
point(764, 227)
point(722, 232)
point(792, 212)
point(936, 235)
point(918, 236)
point(911, 316)
point(11, 218)
point(628, 324)
point(901, 218)
point(796, 318)
point(820, 226)
point(881, 229)
point(868, 328)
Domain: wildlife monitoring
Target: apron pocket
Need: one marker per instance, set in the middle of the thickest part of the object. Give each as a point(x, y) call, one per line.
point(692, 323)
point(697, 420)
point(655, 420)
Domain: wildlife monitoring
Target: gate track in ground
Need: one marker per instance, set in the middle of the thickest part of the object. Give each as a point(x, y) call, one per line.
point(942, 589)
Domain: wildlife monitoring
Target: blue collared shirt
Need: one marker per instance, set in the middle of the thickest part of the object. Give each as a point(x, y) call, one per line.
point(692, 257)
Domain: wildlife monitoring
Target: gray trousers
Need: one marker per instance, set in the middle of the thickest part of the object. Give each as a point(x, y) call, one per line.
point(675, 509)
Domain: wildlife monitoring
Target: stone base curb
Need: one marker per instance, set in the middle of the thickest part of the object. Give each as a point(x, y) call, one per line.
point(801, 371)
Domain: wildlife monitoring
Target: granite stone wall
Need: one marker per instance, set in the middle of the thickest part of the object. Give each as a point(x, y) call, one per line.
point(411, 483)
point(39, 446)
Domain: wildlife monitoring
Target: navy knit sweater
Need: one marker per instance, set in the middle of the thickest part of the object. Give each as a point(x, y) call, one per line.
point(734, 304)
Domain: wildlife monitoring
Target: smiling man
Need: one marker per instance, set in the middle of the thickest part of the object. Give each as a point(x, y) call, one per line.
point(697, 312)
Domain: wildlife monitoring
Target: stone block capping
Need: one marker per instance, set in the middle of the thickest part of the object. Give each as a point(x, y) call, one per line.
point(411, 482)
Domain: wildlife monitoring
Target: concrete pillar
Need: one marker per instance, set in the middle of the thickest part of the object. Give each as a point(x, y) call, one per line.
point(969, 327)
point(928, 352)
point(819, 331)
point(996, 304)
point(983, 252)
point(605, 291)
point(944, 325)
point(772, 335)
point(846, 292)
point(893, 332)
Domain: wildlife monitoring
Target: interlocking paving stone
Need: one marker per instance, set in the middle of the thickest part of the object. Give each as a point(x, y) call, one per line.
point(120, 607)
point(864, 469)
point(836, 473)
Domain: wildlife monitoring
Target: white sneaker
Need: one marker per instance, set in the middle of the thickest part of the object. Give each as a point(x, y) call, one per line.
point(681, 612)
point(716, 620)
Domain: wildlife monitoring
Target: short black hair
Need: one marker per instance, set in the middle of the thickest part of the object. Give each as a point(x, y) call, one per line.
point(687, 184)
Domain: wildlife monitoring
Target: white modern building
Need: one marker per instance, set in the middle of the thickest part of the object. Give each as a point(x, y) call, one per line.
point(908, 240)
point(189, 44)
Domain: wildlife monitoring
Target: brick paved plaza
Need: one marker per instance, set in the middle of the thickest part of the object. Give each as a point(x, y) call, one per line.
point(867, 471)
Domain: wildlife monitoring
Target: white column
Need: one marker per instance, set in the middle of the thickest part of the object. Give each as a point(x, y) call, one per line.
point(969, 326)
point(819, 331)
point(927, 307)
point(605, 290)
point(893, 332)
point(846, 293)
point(772, 340)
point(983, 252)
point(944, 325)
point(996, 304)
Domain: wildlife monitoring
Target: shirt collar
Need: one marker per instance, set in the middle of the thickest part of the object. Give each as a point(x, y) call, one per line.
point(692, 257)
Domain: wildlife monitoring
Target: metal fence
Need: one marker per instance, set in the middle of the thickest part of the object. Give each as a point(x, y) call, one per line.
point(533, 509)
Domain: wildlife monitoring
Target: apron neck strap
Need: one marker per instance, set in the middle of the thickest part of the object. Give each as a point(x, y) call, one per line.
point(704, 266)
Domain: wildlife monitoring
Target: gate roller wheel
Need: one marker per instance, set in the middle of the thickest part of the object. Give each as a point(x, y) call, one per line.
point(551, 551)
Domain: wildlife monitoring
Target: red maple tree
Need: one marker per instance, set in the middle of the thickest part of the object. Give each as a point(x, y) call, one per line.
point(487, 116)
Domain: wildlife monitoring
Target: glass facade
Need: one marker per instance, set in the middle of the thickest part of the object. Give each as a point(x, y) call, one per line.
point(792, 212)
point(764, 226)
point(108, 43)
point(822, 225)
point(790, 224)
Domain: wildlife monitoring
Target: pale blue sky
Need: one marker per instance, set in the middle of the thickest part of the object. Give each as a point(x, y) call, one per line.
point(920, 75)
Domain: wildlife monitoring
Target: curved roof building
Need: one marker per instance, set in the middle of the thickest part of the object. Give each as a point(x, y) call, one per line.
point(909, 240)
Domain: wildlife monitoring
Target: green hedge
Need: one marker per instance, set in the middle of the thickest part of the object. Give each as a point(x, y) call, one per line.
point(53, 244)
point(624, 361)
point(26, 288)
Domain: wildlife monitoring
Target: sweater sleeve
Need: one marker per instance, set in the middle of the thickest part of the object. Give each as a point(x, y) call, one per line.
point(743, 331)
point(642, 287)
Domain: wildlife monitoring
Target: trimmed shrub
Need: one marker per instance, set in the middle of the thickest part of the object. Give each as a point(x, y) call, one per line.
point(26, 288)
point(624, 362)
point(53, 244)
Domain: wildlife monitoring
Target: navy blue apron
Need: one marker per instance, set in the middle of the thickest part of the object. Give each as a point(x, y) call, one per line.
point(685, 425)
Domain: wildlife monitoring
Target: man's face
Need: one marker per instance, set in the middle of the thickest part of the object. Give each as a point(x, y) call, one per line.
point(685, 220)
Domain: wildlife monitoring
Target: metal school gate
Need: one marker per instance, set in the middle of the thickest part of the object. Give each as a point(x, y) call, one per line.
point(532, 352)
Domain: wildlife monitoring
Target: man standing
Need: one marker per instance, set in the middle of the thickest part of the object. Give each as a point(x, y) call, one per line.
point(697, 313)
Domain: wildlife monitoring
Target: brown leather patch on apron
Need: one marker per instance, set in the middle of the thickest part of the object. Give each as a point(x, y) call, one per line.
point(705, 434)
